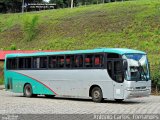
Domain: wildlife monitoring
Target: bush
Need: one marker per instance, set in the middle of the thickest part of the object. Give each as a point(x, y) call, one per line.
point(13, 47)
point(30, 27)
point(155, 76)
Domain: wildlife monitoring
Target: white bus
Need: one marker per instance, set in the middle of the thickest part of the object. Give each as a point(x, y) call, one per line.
point(106, 73)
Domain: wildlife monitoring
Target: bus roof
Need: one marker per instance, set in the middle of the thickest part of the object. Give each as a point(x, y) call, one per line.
point(120, 51)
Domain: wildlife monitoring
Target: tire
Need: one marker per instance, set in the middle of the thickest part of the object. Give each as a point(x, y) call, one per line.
point(97, 95)
point(119, 100)
point(28, 91)
point(49, 96)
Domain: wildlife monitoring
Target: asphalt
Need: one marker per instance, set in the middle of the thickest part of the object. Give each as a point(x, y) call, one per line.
point(15, 103)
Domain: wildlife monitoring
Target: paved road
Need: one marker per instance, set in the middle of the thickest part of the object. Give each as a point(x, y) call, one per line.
point(11, 103)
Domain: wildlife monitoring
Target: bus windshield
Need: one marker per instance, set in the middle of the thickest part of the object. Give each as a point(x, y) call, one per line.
point(138, 69)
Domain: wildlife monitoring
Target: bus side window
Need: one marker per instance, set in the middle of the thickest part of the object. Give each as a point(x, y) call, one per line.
point(69, 61)
point(52, 62)
point(43, 62)
point(118, 71)
point(12, 63)
point(36, 62)
point(21, 63)
point(98, 61)
point(88, 60)
point(78, 62)
point(60, 61)
point(27, 63)
point(24, 63)
point(115, 70)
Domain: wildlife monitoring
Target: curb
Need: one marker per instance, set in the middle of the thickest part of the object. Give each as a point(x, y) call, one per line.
point(1, 87)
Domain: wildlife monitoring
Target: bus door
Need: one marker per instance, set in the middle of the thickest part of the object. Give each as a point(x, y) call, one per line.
point(115, 70)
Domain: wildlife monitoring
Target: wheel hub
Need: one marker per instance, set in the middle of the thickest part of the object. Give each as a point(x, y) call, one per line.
point(96, 94)
point(28, 91)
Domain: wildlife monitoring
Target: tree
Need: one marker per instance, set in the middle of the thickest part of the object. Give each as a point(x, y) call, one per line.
point(30, 1)
point(15, 5)
point(59, 3)
point(64, 3)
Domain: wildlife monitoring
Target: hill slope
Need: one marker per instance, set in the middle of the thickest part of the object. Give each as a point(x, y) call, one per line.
point(134, 24)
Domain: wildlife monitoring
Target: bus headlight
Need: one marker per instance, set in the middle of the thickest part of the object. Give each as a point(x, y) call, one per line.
point(130, 88)
point(148, 88)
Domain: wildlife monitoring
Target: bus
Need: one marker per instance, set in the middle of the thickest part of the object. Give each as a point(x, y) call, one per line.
point(101, 73)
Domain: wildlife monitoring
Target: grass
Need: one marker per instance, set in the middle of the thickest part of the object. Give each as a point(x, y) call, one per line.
point(133, 24)
point(30, 27)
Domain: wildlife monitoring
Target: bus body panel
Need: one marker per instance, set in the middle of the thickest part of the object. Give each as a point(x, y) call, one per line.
point(118, 90)
point(71, 86)
point(19, 80)
point(67, 84)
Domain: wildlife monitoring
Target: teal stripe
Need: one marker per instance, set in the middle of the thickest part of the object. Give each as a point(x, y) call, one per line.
point(19, 80)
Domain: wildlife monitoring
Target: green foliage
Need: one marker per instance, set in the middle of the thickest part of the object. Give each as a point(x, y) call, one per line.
point(8, 24)
point(67, 3)
point(64, 3)
point(156, 77)
point(30, 27)
point(19, 0)
point(13, 47)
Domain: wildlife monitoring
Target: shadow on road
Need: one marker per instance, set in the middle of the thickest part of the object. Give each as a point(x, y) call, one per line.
point(125, 102)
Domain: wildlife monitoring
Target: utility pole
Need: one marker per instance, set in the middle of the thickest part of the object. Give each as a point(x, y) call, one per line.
point(71, 4)
point(22, 6)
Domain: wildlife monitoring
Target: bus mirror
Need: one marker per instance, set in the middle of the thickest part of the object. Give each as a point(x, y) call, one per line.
point(125, 64)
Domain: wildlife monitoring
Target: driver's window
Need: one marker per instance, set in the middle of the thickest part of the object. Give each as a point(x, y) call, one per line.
point(115, 70)
point(118, 71)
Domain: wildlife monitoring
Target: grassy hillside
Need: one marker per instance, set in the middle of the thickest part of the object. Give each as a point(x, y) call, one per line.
point(134, 24)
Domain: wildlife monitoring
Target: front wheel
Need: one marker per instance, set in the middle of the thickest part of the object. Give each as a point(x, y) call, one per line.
point(97, 95)
point(28, 91)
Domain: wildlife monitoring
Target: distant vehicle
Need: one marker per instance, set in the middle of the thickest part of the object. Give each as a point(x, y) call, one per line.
point(103, 73)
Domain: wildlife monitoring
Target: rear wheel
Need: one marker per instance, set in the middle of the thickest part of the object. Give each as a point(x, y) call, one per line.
point(28, 91)
point(96, 94)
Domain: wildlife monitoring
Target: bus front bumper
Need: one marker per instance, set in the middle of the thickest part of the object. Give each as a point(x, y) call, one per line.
point(136, 93)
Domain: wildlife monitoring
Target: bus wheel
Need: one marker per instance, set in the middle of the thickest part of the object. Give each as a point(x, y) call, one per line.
point(119, 100)
point(28, 90)
point(97, 94)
